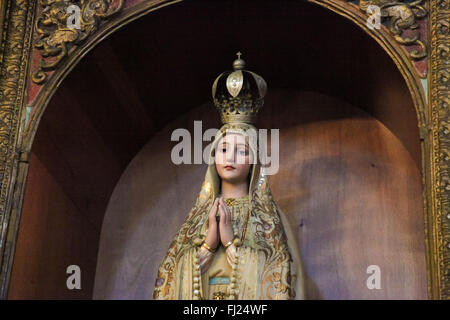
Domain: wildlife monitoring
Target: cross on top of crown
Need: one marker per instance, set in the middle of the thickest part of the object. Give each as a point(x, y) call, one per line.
point(239, 54)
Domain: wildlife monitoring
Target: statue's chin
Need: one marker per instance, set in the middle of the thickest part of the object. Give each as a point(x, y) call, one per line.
point(233, 179)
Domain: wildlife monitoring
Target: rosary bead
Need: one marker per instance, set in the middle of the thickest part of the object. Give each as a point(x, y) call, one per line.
point(198, 241)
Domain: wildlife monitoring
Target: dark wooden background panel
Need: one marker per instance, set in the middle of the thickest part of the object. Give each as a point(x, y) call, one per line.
point(350, 189)
point(355, 196)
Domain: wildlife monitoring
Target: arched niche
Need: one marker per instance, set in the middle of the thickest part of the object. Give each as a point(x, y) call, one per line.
point(350, 189)
point(115, 100)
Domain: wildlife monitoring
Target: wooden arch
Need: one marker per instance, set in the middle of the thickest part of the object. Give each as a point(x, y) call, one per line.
point(37, 53)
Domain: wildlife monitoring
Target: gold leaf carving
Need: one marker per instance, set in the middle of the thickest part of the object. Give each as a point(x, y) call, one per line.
point(439, 248)
point(399, 17)
point(14, 53)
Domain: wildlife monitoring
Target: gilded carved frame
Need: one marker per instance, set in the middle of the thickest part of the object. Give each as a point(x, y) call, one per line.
point(25, 29)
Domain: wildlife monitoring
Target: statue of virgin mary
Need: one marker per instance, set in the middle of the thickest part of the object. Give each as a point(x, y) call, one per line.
point(235, 242)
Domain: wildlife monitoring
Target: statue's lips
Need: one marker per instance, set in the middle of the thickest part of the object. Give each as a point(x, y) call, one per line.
point(229, 167)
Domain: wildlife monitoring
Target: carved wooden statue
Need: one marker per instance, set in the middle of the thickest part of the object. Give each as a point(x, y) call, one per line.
point(236, 242)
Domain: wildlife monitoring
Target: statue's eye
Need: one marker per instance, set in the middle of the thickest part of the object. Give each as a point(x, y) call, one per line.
point(223, 149)
point(242, 152)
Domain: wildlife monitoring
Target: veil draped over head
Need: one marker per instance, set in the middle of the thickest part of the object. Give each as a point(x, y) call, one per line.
point(270, 266)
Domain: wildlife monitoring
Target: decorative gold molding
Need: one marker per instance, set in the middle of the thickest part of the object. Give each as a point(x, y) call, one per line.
point(400, 17)
point(14, 54)
point(439, 93)
point(56, 39)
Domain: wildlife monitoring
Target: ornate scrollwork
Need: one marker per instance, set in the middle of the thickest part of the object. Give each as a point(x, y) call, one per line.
point(440, 113)
point(57, 39)
point(14, 52)
point(401, 18)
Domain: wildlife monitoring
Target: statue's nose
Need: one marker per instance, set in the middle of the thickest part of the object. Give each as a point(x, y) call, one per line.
point(230, 157)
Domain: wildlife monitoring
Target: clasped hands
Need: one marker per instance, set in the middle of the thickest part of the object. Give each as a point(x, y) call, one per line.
point(219, 231)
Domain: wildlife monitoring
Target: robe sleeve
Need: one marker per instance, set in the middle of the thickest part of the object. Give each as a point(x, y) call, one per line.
point(165, 284)
point(277, 272)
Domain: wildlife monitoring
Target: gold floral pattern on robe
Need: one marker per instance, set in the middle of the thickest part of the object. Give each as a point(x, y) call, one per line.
point(267, 268)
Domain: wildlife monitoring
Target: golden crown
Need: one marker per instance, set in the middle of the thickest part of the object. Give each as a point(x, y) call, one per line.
point(239, 94)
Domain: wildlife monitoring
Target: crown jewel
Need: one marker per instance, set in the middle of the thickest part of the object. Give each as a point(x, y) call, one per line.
point(239, 94)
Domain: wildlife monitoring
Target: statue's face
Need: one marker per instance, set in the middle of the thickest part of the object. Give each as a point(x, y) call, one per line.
point(233, 158)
